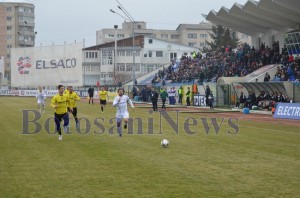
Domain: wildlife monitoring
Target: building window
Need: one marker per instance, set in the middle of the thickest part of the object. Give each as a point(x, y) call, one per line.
point(103, 75)
point(8, 9)
point(87, 68)
point(192, 44)
point(9, 18)
point(128, 68)
point(110, 75)
point(121, 36)
point(139, 27)
point(150, 41)
point(9, 28)
point(129, 53)
point(159, 53)
point(109, 36)
point(137, 67)
point(150, 54)
point(95, 68)
point(175, 36)
point(107, 57)
point(203, 35)
point(8, 37)
point(9, 46)
point(192, 35)
point(203, 44)
point(121, 53)
point(164, 36)
point(91, 54)
point(120, 67)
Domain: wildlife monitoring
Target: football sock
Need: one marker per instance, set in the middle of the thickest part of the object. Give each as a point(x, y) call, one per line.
point(119, 130)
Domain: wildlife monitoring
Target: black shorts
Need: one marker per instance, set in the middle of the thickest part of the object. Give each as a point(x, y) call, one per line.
point(102, 102)
point(59, 116)
point(74, 112)
point(91, 95)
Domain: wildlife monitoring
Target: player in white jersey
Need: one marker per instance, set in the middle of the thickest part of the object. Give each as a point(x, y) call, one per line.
point(120, 102)
point(41, 97)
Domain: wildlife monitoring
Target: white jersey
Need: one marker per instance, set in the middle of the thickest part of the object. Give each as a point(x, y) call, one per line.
point(172, 92)
point(45, 91)
point(41, 96)
point(121, 103)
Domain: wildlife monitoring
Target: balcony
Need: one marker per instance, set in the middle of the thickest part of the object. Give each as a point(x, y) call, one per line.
point(26, 43)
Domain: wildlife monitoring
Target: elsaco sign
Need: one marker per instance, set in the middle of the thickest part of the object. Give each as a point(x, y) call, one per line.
point(53, 64)
point(47, 66)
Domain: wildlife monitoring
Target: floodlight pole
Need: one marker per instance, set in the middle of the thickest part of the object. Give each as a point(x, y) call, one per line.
point(133, 55)
point(129, 18)
point(115, 54)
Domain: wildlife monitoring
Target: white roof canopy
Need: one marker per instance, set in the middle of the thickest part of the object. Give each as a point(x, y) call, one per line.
point(255, 18)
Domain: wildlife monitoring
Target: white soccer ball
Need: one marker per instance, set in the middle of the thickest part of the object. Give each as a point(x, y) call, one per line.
point(164, 142)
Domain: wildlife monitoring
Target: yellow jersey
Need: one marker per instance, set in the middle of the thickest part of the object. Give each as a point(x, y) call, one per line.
point(60, 102)
point(102, 95)
point(73, 97)
point(66, 91)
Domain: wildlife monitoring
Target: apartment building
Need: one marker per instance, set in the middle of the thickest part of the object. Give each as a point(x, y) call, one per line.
point(16, 30)
point(193, 35)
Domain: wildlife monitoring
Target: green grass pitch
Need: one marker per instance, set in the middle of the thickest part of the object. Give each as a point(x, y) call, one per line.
point(261, 160)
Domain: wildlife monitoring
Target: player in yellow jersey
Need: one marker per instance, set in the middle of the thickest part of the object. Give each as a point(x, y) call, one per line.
point(66, 91)
point(60, 102)
point(73, 97)
point(103, 96)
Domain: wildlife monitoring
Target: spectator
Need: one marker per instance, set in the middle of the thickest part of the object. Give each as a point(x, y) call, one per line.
point(180, 94)
point(267, 77)
point(188, 97)
point(211, 100)
point(154, 99)
point(251, 100)
point(281, 97)
point(134, 92)
point(241, 101)
point(163, 96)
point(207, 93)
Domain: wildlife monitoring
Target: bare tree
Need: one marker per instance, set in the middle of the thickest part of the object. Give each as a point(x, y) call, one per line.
point(121, 77)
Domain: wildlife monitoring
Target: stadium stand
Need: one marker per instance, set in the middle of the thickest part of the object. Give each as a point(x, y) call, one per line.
point(222, 63)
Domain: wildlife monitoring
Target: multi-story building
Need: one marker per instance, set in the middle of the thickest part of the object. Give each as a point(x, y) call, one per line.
point(118, 61)
point(16, 29)
point(194, 35)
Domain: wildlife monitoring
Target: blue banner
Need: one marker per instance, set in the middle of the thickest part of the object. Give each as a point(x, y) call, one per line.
point(288, 111)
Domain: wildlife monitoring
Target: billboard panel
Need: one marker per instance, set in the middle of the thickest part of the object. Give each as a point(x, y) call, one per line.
point(288, 111)
point(47, 65)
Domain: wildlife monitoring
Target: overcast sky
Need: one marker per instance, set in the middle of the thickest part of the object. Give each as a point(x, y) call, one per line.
point(68, 20)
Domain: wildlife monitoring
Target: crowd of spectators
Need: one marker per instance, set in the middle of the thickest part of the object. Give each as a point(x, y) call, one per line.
point(226, 62)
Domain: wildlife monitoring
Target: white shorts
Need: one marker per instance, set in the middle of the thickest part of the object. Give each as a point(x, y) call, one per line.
point(41, 101)
point(123, 115)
